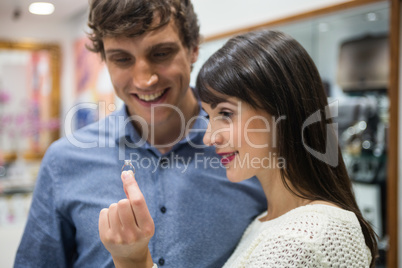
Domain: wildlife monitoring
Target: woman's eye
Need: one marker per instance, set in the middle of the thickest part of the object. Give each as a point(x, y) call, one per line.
point(226, 114)
point(206, 116)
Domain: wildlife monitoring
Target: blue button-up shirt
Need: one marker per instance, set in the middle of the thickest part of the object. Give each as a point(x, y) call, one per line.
point(199, 215)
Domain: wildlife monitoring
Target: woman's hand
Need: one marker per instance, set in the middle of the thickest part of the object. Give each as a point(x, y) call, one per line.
point(125, 228)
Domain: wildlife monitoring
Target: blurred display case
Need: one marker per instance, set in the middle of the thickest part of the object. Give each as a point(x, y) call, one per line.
point(363, 124)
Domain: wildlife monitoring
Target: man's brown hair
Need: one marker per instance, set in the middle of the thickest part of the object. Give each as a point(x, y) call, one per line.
point(130, 18)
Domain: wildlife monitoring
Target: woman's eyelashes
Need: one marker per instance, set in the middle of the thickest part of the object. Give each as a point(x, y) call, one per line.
point(225, 114)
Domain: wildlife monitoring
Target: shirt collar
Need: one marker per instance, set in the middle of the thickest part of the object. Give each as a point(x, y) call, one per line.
point(127, 131)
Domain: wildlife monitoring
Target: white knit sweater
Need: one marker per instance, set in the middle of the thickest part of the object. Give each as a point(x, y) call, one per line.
point(307, 236)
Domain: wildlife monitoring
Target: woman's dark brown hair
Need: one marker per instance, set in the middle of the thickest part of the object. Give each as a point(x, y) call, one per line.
point(130, 18)
point(270, 70)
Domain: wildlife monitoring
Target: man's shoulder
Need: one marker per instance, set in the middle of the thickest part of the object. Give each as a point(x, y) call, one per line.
point(81, 135)
point(84, 138)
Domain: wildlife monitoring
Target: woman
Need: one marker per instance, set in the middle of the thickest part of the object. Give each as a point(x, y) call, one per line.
point(266, 107)
point(265, 86)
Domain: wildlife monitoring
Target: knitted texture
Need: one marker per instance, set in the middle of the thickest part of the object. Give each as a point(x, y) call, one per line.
point(307, 236)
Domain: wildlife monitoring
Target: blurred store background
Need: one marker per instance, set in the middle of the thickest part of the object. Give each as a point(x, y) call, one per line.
point(51, 85)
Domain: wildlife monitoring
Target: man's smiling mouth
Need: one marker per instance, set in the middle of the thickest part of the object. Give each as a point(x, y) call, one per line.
point(151, 97)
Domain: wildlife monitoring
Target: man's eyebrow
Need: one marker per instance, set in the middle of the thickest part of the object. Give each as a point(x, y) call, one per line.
point(115, 50)
point(149, 49)
point(161, 45)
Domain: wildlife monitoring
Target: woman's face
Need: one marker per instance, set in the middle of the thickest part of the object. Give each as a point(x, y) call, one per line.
point(244, 137)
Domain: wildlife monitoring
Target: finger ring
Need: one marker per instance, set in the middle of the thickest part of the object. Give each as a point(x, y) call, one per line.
point(128, 166)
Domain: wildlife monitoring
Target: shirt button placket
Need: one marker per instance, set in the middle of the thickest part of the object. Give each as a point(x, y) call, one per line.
point(163, 162)
point(163, 209)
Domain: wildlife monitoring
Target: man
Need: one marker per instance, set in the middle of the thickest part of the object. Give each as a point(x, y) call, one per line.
point(149, 47)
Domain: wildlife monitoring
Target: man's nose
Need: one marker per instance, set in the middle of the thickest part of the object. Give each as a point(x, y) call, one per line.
point(144, 75)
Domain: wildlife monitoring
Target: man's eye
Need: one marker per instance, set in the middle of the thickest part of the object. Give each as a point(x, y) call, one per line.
point(161, 54)
point(120, 59)
point(164, 53)
point(123, 59)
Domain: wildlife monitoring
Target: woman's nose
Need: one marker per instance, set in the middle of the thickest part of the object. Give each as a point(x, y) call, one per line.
point(212, 137)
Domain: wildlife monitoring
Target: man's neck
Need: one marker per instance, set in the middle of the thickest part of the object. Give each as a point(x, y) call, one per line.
point(165, 135)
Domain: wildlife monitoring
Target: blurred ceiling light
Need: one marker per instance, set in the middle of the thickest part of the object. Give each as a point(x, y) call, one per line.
point(371, 16)
point(41, 8)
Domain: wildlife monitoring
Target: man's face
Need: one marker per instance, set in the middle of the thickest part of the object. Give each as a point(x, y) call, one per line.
point(150, 70)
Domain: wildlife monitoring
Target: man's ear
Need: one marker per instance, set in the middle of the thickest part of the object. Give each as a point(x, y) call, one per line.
point(194, 54)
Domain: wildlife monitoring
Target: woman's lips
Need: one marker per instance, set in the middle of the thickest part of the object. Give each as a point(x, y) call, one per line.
point(227, 158)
